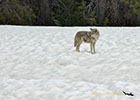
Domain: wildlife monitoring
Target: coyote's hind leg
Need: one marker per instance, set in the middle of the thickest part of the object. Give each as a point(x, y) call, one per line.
point(78, 46)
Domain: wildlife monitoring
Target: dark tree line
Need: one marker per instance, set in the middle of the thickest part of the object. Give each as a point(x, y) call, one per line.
point(70, 12)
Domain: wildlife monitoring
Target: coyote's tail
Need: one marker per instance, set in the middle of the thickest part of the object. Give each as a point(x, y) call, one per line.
point(75, 41)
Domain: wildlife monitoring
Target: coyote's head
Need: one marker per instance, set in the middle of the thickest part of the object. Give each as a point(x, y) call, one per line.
point(94, 33)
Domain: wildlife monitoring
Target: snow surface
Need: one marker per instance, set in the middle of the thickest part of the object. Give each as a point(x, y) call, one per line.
point(40, 63)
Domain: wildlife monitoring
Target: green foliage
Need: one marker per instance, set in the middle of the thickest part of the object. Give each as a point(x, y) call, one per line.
point(79, 15)
point(73, 12)
point(66, 2)
point(134, 6)
point(68, 12)
point(14, 12)
point(92, 18)
point(106, 21)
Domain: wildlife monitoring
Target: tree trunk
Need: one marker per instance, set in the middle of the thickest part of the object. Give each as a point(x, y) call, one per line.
point(45, 15)
point(114, 12)
point(100, 11)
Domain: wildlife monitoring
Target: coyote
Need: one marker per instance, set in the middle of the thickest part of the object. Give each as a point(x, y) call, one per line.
point(87, 37)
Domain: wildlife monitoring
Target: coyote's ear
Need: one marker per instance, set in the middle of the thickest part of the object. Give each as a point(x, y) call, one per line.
point(95, 30)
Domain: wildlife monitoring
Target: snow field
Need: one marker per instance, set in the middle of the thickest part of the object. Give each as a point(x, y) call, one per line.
point(40, 63)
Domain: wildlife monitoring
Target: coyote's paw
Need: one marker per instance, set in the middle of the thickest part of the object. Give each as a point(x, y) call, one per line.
point(93, 53)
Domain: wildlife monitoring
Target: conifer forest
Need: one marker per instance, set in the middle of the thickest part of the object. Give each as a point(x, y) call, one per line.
point(70, 12)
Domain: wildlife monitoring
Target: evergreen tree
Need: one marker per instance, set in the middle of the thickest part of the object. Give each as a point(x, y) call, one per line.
point(14, 12)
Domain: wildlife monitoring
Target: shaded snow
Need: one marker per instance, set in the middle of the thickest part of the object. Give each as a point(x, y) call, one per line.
point(40, 63)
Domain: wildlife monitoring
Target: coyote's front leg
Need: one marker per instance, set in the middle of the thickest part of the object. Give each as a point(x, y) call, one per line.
point(91, 47)
point(94, 47)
